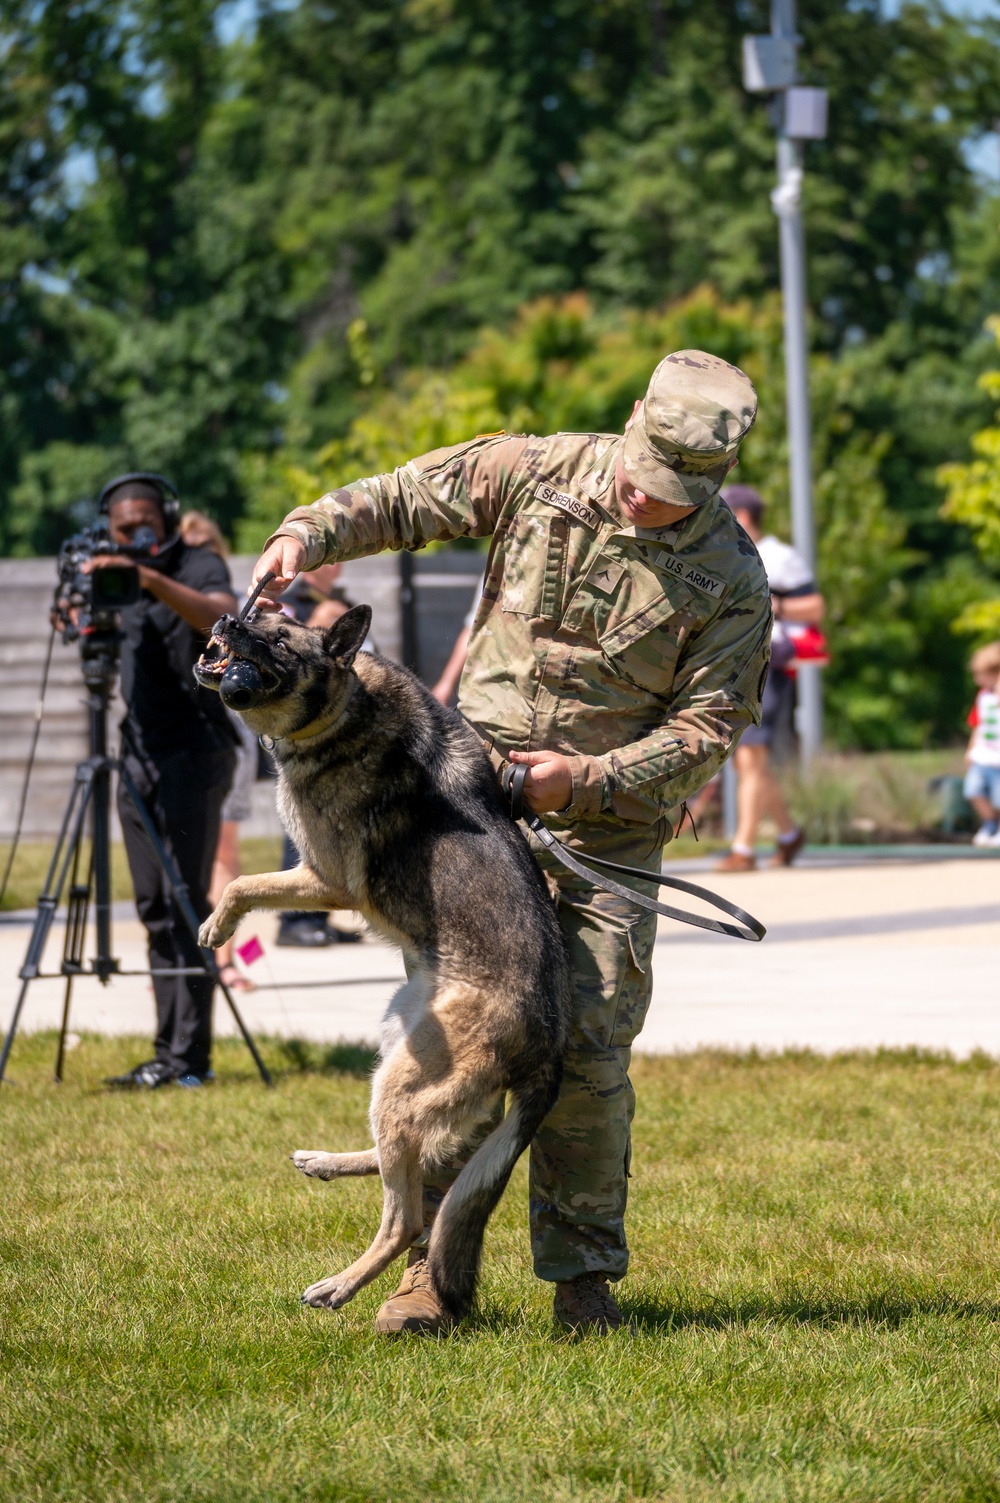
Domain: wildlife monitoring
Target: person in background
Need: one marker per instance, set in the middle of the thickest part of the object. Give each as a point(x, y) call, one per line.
point(446, 687)
point(982, 781)
point(180, 749)
point(795, 601)
point(312, 588)
point(199, 531)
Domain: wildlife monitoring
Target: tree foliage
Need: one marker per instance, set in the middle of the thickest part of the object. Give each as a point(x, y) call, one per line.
point(973, 499)
point(223, 260)
point(563, 365)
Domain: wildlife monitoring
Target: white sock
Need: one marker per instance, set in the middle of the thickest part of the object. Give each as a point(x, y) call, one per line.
point(740, 849)
point(787, 839)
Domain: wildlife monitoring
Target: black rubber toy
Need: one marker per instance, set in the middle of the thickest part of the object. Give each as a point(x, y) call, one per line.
point(241, 683)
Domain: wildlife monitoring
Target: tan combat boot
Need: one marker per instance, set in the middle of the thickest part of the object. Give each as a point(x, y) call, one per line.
point(414, 1306)
point(786, 851)
point(736, 861)
point(587, 1304)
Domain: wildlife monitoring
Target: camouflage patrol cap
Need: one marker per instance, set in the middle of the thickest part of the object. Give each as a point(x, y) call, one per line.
point(694, 416)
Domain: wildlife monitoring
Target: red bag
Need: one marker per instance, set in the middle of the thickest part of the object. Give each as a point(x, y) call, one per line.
point(810, 646)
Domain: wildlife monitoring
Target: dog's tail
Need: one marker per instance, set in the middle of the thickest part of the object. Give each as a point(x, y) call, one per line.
point(457, 1237)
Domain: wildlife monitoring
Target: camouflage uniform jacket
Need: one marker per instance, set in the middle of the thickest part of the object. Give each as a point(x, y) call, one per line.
point(638, 653)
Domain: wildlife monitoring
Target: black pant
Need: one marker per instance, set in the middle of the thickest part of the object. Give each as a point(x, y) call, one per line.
point(290, 858)
point(184, 793)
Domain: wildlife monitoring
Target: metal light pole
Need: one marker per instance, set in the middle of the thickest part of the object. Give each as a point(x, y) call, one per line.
point(408, 612)
point(770, 65)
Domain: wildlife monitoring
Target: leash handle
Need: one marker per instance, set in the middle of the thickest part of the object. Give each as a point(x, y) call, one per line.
point(746, 926)
point(513, 784)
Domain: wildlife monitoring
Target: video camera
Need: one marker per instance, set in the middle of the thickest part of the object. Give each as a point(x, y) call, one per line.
point(87, 603)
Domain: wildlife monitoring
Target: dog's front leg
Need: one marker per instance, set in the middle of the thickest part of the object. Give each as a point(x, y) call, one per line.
point(298, 888)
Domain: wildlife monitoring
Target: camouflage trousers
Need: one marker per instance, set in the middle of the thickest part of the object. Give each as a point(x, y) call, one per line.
point(580, 1157)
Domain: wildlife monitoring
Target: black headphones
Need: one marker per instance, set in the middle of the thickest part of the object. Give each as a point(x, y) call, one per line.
point(170, 503)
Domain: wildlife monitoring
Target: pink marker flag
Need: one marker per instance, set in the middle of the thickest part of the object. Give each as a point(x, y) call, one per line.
point(251, 951)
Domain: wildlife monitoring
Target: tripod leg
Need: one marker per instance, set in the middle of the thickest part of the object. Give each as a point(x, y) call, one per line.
point(61, 1051)
point(8, 1041)
point(247, 1036)
point(180, 892)
point(49, 901)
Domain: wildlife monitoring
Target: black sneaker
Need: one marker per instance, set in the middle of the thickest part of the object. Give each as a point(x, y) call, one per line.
point(148, 1076)
point(342, 936)
point(190, 1081)
point(304, 935)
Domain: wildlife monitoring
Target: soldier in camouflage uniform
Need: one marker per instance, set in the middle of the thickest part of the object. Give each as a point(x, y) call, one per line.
point(619, 650)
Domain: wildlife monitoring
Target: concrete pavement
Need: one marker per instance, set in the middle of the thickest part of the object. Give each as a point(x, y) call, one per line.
point(883, 952)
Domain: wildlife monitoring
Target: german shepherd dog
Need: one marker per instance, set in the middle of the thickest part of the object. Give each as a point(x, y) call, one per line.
point(397, 812)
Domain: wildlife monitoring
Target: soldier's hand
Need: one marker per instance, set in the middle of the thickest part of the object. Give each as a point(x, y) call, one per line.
point(285, 558)
point(549, 784)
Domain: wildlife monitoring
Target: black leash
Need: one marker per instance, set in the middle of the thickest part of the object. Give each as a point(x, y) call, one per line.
point(747, 926)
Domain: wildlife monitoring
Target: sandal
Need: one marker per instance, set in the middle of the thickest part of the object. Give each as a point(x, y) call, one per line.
point(235, 980)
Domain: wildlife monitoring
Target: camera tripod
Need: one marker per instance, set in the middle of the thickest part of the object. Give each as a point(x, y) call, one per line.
point(91, 791)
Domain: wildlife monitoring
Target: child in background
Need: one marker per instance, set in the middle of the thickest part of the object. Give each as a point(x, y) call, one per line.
point(982, 781)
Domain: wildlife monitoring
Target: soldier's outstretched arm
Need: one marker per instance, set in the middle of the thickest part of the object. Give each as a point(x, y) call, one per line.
point(717, 694)
point(448, 493)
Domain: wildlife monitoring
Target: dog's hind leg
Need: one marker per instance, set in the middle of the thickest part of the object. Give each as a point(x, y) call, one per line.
point(402, 1223)
point(335, 1165)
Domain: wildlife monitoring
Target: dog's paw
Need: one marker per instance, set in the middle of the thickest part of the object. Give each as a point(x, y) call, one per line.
point(328, 1294)
point(206, 935)
point(216, 929)
point(310, 1161)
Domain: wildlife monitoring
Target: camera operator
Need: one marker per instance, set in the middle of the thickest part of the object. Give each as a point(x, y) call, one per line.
point(179, 748)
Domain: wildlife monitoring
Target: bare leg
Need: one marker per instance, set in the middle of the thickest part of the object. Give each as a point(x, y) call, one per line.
point(298, 888)
point(775, 802)
point(758, 794)
point(983, 808)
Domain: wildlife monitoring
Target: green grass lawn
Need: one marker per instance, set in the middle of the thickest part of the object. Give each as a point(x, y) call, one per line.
point(32, 858)
point(814, 1294)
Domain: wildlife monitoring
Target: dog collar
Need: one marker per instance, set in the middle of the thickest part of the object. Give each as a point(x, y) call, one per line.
point(312, 731)
point(315, 728)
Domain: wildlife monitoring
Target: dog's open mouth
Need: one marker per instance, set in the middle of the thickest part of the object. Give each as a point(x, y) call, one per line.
point(215, 659)
point(221, 666)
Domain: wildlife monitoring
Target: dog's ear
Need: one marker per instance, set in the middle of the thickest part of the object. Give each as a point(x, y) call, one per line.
point(344, 638)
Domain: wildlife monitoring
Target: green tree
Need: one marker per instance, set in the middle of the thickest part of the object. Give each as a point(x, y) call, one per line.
point(222, 260)
point(157, 351)
point(564, 365)
point(973, 499)
point(677, 189)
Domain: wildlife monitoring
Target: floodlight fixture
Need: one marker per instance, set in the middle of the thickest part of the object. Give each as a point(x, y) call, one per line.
point(805, 114)
point(768, 63)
